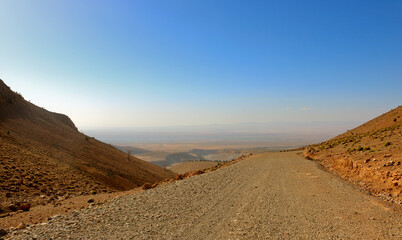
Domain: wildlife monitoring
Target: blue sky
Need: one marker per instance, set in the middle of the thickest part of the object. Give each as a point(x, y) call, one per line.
point(127, 64)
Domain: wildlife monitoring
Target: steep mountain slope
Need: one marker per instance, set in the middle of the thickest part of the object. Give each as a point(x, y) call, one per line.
point(43, 157)
point(370, 155)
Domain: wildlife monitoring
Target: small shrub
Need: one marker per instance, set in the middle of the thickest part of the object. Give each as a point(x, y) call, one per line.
point(394, 119)
point(8, 132)
point(366, 149)
point(360, 148)
point(387, 144)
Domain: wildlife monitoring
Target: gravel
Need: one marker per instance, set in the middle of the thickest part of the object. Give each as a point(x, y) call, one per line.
point(267, 196)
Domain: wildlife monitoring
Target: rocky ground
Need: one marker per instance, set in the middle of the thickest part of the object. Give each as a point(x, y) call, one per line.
point(29, 178)
point(39, 213)
point(267, 196)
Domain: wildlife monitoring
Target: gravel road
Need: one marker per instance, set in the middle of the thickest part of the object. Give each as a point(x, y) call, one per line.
point(266, 196)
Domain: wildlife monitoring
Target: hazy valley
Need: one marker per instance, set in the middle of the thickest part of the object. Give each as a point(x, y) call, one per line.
point(49, 168)
point(200, 120)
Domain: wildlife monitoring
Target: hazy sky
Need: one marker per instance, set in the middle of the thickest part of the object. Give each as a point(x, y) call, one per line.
point(172, 63)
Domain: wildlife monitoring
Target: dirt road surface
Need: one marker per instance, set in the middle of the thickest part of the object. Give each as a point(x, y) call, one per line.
point(184, 167)
point(266, 196)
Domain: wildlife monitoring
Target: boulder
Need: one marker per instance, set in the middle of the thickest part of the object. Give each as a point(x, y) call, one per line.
point(25, 207)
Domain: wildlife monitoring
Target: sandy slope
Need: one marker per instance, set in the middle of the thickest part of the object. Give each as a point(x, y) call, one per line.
point(268, 196)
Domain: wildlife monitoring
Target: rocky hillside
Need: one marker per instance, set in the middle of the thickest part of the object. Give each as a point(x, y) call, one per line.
point(369, 155)
point(44, 158)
